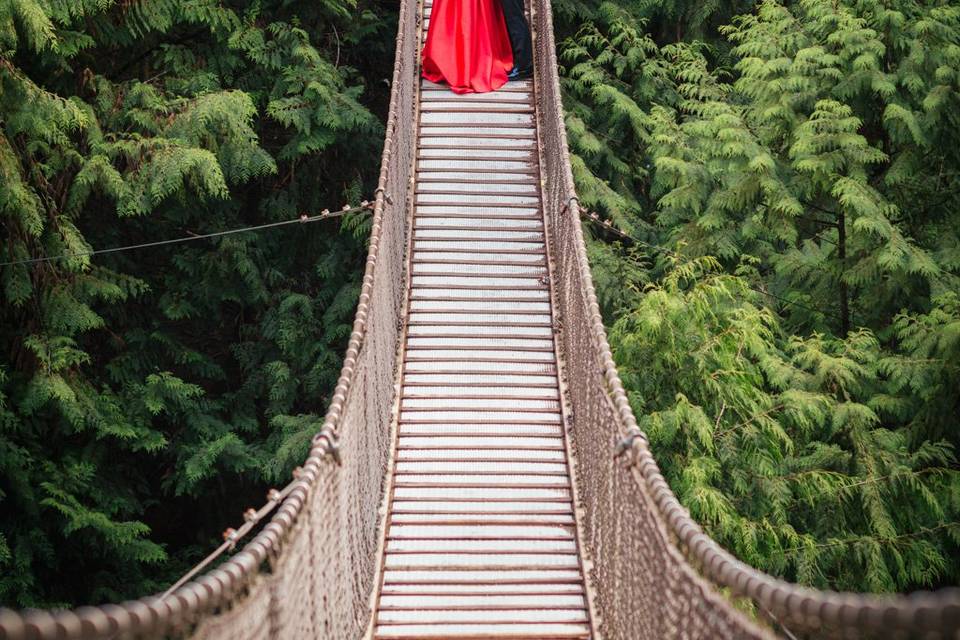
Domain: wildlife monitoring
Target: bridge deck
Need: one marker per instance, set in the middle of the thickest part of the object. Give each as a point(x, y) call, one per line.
point(480, 538)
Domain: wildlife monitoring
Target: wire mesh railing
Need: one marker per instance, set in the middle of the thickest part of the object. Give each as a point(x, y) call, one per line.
point(309, 571)
point(655, 573)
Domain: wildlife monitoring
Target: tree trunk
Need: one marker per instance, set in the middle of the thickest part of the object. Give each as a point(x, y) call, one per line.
point(842, 254)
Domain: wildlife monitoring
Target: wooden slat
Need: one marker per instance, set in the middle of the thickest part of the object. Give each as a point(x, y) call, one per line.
point(480, 539)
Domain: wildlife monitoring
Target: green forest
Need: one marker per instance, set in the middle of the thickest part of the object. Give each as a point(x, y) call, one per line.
point(784, 304)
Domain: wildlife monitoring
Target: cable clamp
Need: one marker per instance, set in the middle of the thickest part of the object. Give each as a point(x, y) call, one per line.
point(230, 535)
point(386, 196)
point(627, 442)
point(570, 201)
point(327, 438)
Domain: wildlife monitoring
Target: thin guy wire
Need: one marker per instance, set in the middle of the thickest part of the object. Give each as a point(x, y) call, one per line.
point(304, 219)
point(231, 536)
point(605, 224)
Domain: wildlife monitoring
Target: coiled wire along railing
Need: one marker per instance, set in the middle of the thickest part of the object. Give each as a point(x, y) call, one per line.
point(655, 574)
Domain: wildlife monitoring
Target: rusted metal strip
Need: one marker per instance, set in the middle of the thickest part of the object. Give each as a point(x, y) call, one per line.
point(462, 274)
point(474, 335)
point(423, 297)
point(481, 577)
point(411, 387)
point(465, 323)
point(506, 263)
point(478, 235)
point(478, 216)
point(535, 307)
point(467, 125)
point(528, 151)
point(453, 310)
point(482, 250)
point(478, 359)
point(499, 181)
point(418, 228)
point(479, 349)
point(466, 135)
point(467, 204)
point(476, 448)
point(494, 108)
point(472, 192)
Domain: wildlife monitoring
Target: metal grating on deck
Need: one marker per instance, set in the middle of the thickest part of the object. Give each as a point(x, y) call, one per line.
point(480, 537)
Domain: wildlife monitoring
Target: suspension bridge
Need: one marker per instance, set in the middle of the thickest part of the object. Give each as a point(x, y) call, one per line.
point(479, 473)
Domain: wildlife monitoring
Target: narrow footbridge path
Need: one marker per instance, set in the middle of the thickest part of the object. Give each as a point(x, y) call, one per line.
point(479, 473)
point(480, 538)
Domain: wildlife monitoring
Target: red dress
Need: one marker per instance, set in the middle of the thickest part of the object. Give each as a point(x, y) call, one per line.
point(467, 46)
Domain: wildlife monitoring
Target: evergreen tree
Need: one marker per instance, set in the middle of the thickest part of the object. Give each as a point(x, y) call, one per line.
point(793, 353)
point(148, 396)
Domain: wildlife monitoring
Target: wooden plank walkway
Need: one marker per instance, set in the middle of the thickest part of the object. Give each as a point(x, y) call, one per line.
point(480, 538)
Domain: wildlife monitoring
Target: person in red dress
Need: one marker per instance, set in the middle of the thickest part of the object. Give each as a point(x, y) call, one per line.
point(468, 46)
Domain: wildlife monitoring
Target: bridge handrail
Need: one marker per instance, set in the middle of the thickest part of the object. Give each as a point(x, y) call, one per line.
point(178, 611)
point(793, 607)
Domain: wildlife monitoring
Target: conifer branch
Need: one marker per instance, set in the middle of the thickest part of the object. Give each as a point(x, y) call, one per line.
point(889, 541)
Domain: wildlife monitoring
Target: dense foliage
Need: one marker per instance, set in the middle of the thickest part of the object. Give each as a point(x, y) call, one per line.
point(787, 316)
point(790, 338)
point(147, 397)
